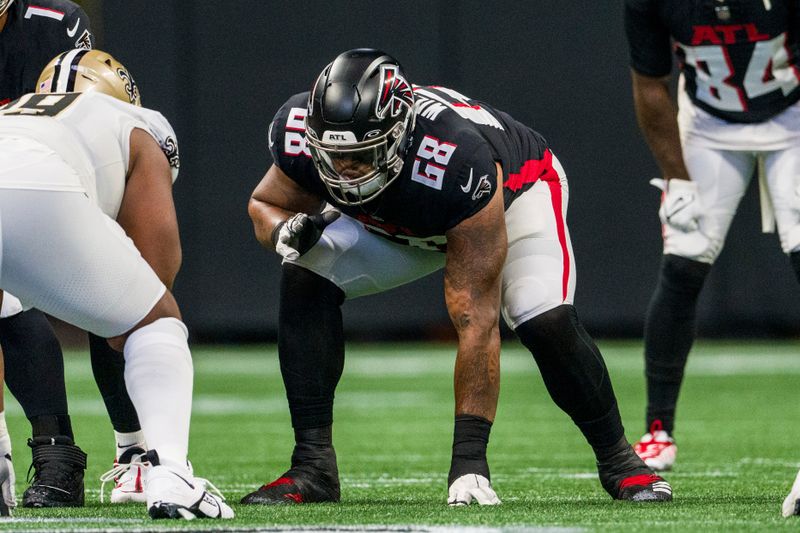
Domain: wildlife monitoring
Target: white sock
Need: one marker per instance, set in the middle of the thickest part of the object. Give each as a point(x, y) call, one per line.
point(5, 438)
point(158, 374)
point(126, 440)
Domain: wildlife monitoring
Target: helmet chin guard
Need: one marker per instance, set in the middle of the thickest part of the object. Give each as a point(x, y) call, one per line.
point(359, 123)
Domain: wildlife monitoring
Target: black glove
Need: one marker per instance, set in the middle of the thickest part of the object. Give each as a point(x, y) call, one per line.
point(300, 233)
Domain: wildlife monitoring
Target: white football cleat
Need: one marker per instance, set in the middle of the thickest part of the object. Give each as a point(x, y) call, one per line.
point(791, 505)
point(656, 448)
point(471, 487)
point(7, 497)
point(128, 475)
point(173, 492)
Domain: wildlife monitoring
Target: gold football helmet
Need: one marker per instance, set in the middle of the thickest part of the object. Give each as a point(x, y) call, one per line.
point(82, 70)
point(4, 5)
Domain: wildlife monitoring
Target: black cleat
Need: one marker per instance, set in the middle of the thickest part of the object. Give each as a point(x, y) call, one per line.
point(58, 467)
point(626, 477)
point(298, 485)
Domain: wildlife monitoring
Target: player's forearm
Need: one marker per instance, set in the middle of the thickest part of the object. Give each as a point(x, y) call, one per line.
point(265, 218)
point(657, 114)
point(477, 373)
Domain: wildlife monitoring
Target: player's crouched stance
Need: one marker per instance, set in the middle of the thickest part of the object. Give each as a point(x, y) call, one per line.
point(426, 178)
point(85, 173)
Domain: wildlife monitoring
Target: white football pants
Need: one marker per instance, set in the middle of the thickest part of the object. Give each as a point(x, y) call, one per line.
point(62, 255)
point(539, 273)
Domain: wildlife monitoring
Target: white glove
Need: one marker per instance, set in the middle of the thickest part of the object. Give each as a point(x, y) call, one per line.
point(680, 207)
point(300, 233)
point(789, 507)
point(7, 485)
point(472, 487)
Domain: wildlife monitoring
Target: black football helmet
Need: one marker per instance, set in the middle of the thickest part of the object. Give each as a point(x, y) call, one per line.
point(359, 122)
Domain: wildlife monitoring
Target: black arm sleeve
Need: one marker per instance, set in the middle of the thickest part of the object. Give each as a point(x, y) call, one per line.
point(648, 39)
point(76, 30)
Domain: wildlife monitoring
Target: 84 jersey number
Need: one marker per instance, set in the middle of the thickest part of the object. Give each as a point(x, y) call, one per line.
point(768, 71)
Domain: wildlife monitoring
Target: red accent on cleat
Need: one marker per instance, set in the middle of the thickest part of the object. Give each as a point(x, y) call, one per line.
point(280, 481)
point(643, 479)
point(296, 496)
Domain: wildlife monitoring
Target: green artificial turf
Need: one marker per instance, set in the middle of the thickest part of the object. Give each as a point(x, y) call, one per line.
point(737, 434)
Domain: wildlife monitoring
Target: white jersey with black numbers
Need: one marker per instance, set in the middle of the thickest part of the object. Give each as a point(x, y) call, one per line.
point(89, 131)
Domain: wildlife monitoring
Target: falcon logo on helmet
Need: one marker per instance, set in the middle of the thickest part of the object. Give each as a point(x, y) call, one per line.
point(4, 5)
point(396, 92)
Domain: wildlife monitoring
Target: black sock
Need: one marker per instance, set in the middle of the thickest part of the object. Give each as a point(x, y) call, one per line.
point(470, 438)
point(794, 257)
point(34, 365)
point(108, 367)
point(574, 373)
point(310, 345)
point(669, 333)
point(313, 449)
point(44, 427)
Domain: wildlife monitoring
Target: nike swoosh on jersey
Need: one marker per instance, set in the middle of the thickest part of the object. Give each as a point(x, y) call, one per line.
point(74, 30)
point(468, 186)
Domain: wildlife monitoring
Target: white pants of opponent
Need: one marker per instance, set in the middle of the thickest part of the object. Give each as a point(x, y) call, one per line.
point(61, 254)
point(721, 158)
point(538, 275)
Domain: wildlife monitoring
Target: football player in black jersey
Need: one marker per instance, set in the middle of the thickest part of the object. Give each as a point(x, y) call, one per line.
point(31, 34)
point(376, 183)
point(738, 114)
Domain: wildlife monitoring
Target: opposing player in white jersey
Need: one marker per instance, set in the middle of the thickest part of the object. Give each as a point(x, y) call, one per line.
point(738, 114)
point(89, 233)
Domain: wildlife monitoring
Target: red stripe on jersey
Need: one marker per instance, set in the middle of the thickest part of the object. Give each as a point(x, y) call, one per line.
point(531, 171)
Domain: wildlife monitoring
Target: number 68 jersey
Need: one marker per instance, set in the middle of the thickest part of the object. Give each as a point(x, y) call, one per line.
point(89, 131)
point(739, 58)
point(448, 172)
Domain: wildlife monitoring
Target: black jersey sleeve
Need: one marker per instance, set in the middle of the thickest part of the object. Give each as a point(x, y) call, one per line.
point(648, 38)
point(287, 144)
point(475, 183)
point(75, 30)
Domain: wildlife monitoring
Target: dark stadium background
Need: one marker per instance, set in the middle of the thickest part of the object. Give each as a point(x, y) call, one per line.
point(219, 70)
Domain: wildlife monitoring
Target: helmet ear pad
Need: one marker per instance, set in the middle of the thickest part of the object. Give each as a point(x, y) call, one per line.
point(361, 104)
point(89, 70)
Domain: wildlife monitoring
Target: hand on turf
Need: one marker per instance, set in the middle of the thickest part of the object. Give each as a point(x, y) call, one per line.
point(300, 233)
point(472, 487)
point(789, 507)
point(680, 207)
point(6, 485)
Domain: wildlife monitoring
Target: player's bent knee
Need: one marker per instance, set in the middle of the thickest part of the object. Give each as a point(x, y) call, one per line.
point(553, 332)
point(166, 307)
point(681, 274)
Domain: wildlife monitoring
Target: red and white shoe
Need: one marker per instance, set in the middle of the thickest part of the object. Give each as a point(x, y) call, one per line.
point(656, 448)
point(128, 476)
